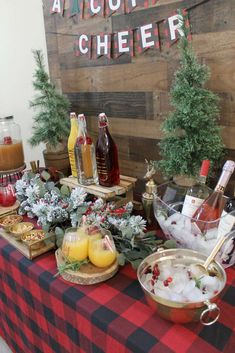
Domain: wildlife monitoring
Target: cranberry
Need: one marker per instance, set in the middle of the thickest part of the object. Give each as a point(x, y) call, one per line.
point(7, 140)
point(147, 270)
point(169, 279)
point(81, 140)
point(88, 140)
point(166, 284)
point(156, 271)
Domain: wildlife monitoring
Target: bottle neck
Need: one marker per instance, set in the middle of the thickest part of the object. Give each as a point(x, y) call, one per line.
point(83, 129)
point(202, 179)
point(223, 181)
point(73, 122)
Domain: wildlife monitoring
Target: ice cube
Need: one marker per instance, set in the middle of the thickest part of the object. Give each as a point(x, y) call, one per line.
point(163, 293)
point(188, 287)
point(176, 297)
point(211, 234)
point(179, 282)
point(210, 283)
point(195, 295)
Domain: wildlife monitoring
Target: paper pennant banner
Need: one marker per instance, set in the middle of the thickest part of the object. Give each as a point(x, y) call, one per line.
point(123, 43)
point(101, 45)
point(57, 6)
point(172, 27)
point(132, 4)
point(114, 6)
point(147, 37)
point(76, 8)
point(96, 7)
point(82, 45)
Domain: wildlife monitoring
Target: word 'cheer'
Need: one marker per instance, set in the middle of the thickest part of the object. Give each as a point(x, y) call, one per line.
point(122, 42)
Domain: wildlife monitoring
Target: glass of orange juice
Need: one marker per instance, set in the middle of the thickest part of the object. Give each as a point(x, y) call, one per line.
point(75, 244)
point(101, 250)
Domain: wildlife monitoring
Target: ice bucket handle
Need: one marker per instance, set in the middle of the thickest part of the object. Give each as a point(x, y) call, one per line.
point(211, 308)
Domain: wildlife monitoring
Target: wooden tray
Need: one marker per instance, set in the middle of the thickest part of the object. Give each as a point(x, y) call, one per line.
point(27, 250)
point(120, 194)
point(4, 211)
point(88, 274)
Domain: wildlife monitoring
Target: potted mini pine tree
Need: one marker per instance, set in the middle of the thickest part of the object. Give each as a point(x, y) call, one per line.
point(191, 129)
point(51, 124)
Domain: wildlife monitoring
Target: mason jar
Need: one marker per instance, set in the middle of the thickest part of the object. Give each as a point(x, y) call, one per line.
point(11, 147)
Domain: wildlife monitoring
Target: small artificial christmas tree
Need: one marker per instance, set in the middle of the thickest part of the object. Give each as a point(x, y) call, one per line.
point(191, 130)
point(51, 123)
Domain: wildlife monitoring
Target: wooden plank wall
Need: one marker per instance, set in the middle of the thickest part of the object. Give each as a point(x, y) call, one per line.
point(134, 91)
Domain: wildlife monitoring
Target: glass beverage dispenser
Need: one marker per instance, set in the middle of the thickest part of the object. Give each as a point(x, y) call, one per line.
point(11, 148)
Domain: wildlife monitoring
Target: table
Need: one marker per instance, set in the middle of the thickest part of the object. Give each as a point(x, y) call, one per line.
point(40, 313)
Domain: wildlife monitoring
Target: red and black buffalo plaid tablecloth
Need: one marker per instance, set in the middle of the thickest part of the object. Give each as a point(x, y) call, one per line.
point(43, 314)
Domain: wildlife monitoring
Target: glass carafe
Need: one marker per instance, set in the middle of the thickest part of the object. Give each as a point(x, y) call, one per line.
point(11, 148)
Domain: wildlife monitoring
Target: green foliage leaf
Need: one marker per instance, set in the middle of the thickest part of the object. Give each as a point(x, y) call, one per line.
point(46, 227)
point(50, 185)
point(170, 244)
point(82, 209)
point(72, 266)
point(45, 175)
point(121, 259)
point(135, 263)
point(59, 231)
point(65, 191)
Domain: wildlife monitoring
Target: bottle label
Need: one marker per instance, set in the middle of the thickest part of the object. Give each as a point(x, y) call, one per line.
point(72, 162)
point(102, 169)
point(191, 204)
point(226, 223)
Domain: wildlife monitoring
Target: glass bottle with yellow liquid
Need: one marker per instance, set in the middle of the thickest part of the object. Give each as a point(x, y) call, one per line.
point(101, 249)
point(74, 132)
point(75, 244)
point(85, 155)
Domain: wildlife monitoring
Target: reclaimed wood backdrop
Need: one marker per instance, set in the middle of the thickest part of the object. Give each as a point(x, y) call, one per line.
point(134, 92)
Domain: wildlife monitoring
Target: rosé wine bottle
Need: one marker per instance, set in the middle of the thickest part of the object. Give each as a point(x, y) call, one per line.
point(207, 216)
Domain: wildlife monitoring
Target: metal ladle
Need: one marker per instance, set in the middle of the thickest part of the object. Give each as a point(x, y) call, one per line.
point(204, 267)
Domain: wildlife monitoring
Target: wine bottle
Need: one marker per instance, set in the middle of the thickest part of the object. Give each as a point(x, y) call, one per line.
point(71, 142)
point(197, 193)
point(227, 220)
point(85, 155)
point(208, 214)
point(106, 155)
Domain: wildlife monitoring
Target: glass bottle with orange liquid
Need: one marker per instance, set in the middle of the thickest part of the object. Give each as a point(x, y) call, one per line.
point(11, 147)
point(85, 155)
point(74, 132)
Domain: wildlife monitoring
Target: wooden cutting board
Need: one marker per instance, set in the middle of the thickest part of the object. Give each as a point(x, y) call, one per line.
point(88, 274)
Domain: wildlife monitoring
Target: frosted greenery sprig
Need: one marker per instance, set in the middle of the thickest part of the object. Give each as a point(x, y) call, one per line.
point(58, 208)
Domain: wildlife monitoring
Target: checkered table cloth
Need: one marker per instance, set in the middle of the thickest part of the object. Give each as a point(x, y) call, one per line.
point(43, 314)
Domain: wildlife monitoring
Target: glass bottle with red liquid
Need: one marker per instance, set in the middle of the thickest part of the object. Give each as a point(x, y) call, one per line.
point(208, 214)
point(106, 155)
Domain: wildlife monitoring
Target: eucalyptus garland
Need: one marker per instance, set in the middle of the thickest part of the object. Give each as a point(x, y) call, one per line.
point(57, 208)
